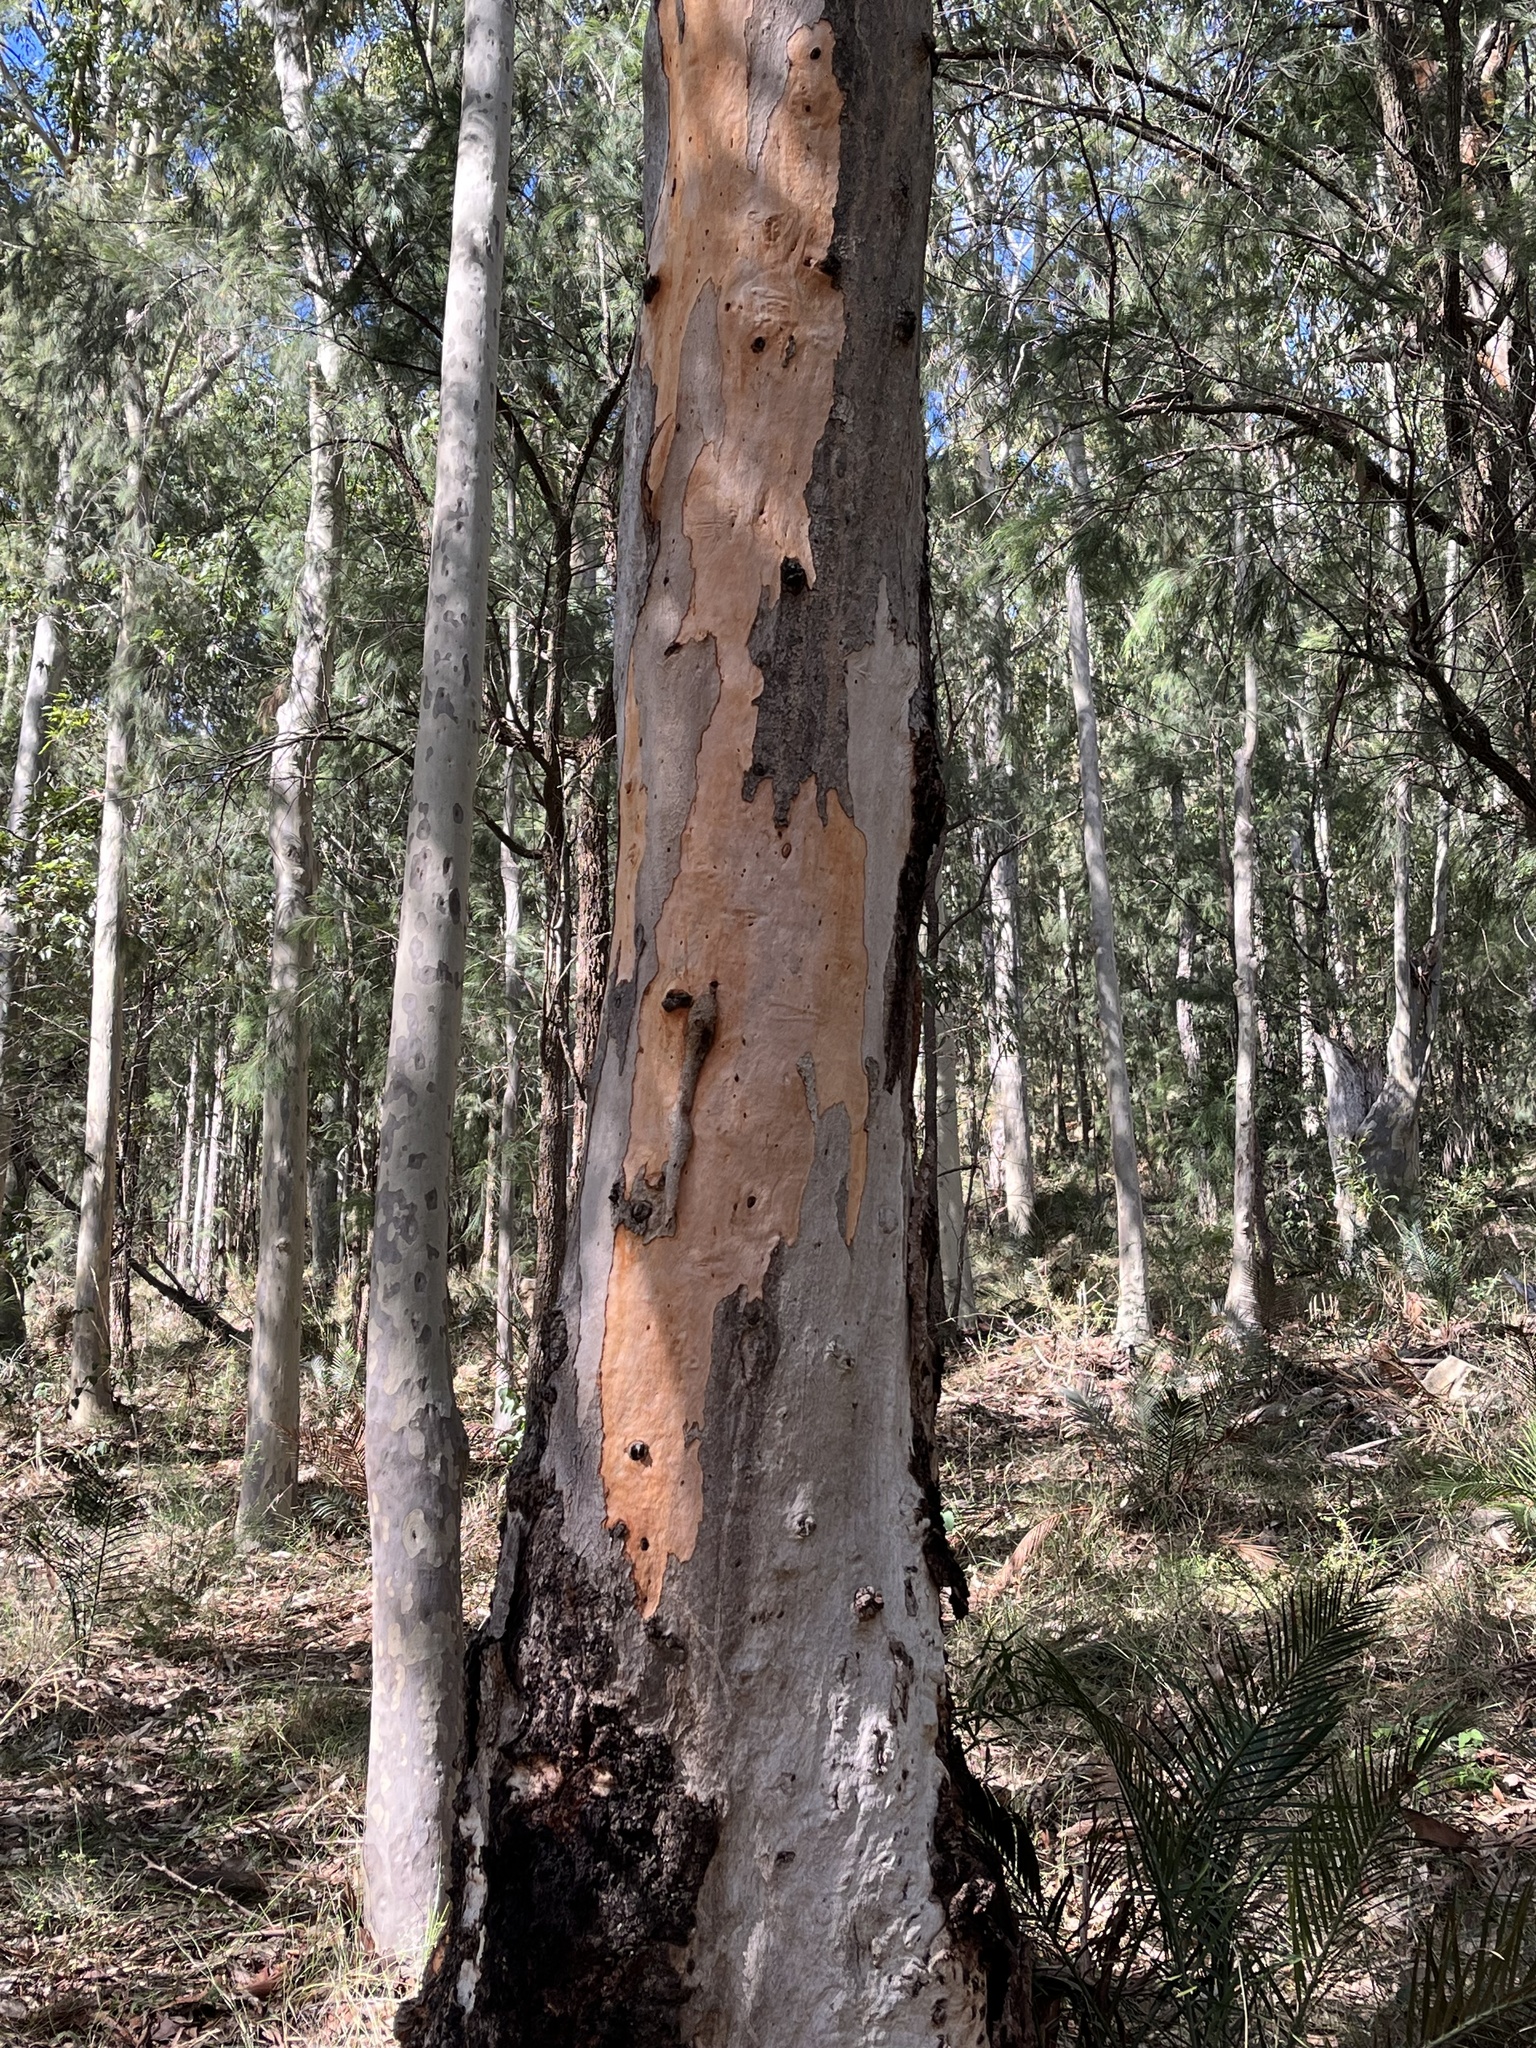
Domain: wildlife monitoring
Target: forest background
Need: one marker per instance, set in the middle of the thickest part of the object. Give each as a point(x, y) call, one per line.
point(1230, 371)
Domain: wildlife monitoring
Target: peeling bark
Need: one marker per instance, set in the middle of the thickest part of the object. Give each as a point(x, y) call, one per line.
point(414, 1438)
point(709, 1795)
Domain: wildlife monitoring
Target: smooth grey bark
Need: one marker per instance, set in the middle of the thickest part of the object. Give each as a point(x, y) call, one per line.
point(44, 672)
point(415, 1440)
point(1249, 1282)
point(91, 1399)
point(181, 1223)
point(193, 1253)
point(713, 1796)
point(1013, 1138)
point(270, 1470)
point(1133, 1327)
point(208, 1233)
point(954, 1236)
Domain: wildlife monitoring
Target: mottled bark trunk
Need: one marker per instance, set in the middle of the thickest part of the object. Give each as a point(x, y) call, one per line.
point(90, 1378)
point(954, 1236)
point(415, 1440)
point(44, 672)
point(1132, 1323)
point(710, 1796)
point(270, 1471)
point(1250, 1281)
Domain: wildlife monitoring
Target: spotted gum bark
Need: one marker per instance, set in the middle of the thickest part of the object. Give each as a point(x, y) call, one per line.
point(414, 1437)
point(711, 1793)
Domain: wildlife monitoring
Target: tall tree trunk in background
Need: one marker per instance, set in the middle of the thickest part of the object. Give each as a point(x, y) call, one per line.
point(90, 1376)
point(551, 1191)
point(1132, 1324)
point(1190, 1049)
point(415, 1440)
point(130, 1161)
point(208, 1236)
point(325, 1196)
point(1250, 1281)
point(511, 995)
point(200, 1204)
point(49, 648)
point(1074, 1022)
point(717, 1614)
point(1013, 1140)
point(270, 1471)
point(954, 1237)
point(1389, 1133)
point(177, 1236)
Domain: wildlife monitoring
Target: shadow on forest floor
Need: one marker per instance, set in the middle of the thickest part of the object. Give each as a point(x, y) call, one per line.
point(183, 1728)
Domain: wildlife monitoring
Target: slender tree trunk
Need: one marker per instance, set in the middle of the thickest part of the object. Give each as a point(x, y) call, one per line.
point(712, 1794)
point(325, 1196)
point(511, 992)
point(416, 1447)
point(1013, 1137)
point(200, 1205)
point(209, 1235)
point(1190, 1049)
point(1132, 1324)
point(1250, 1282)
point(954, 1236)
point(49, 648)
point(551, 1198)
point(1074, 1024)
point(270, 1471)
point(176, 1249)
point(130, 1162)
point(90, 1382)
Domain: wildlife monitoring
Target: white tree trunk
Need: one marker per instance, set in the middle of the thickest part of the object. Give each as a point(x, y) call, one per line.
point(209, 1235)
point(176, 1245)
point(1248, 1282)
point(712, 1766)
point(1133, 1328)
point(511, 984)
point(415, 1440)
point(270, 1471)
point(194, 1241)
point(90, 1384)
point(43, 676)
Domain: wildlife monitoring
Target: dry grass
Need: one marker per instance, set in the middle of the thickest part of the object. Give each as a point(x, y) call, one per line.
point(180, 1800)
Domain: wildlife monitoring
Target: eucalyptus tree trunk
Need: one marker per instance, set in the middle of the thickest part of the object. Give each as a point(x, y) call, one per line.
point(1190, 1049)
point(593, 901)
point(712, 1794)
point(200, 1204)
point(1132, 1323)
point(954, 1237)
point(49, 647)
point(270, 1471)
point(208, 1235)
point(511, 993)
point(176, 1245)
point(1013, 1134)
point(415, 1440)
point(90, 1378)
point(1250, 1282)
point(325, 1196)
point(1388, 1137)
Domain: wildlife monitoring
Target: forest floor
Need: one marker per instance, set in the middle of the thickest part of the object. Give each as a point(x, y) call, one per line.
point(183, 1726)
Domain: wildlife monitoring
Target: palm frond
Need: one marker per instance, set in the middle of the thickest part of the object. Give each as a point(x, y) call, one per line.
point(1475, 1986)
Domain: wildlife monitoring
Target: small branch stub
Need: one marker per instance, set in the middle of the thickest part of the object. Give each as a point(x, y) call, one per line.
point(649, 1208)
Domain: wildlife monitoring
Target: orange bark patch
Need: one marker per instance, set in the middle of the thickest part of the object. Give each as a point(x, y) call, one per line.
point(774, 920)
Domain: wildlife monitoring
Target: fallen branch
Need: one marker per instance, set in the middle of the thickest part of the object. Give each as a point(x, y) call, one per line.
point(202, 1312)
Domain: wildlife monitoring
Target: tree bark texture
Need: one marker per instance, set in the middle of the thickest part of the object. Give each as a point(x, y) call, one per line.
point(1250, 1283)
point(90, 1378)
point(709, 1796)
point(511, 992)
point(414, 1438)
point(44, 672)
point(270, 1471)
point(1132, 1322)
